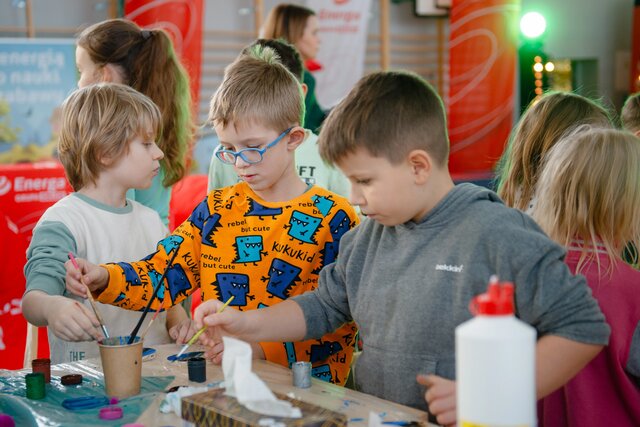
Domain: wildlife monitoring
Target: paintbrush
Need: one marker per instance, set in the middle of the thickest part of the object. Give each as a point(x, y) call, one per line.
point(155, 292)
point(150, 323)
point(91, 300)
point(197, 334)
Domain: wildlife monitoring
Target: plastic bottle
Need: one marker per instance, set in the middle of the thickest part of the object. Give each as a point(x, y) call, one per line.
point(495, 363)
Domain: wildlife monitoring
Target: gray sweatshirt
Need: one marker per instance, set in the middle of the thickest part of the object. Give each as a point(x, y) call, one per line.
point(407, 287)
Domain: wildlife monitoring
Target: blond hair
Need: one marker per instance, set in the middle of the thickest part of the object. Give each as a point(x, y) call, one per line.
point(98, 123)
point(148, 63)
point(630, 113)
point(286, 21)
point(258, 89)
point(389, 114)
point(589, 191)
point(542, 125)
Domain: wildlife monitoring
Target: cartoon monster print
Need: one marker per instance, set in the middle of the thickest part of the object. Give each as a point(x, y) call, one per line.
point(261, 305)
point(249, 249)
point(322, 351)
point(322, 372)
point(290, 350)
point(233, 284)
point(155, 280)
point(338, 225)
point(120, 297)
point(177, 281)
point(130, 275)
point(171, 243)
point(209, 228)
point(303, 227)
point(323, 204)
point(256, 209)
point(200, 214)
point(282, 277)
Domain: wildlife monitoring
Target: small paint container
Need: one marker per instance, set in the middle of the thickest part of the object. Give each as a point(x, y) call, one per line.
point(7, 421)
point(44, 366)
point(301, 374)
point(197, 367)
point(71, 379)
point(35, 385)
point(110, 413)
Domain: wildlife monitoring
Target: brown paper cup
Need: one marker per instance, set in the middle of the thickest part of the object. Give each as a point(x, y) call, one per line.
point(121, 365)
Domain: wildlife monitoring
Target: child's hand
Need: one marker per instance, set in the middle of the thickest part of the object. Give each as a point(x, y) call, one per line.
point(441, 398)
point(71, 321)
point(93, 276)
point(229, 322)
point(183, 331)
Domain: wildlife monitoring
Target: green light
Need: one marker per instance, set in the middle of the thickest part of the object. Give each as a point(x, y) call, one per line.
point(532, 25)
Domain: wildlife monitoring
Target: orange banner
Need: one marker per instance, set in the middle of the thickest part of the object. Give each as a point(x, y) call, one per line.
point(182, 20)
point(483, 48)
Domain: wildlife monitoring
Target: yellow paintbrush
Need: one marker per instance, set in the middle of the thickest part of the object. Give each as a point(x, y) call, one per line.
point(197, 334)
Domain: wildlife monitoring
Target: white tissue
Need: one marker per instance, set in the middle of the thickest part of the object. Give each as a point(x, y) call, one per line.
point(375, 420)
point(172, 401)
point(246, 386)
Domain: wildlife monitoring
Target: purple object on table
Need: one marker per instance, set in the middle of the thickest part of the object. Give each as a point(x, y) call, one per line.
point(7, 421)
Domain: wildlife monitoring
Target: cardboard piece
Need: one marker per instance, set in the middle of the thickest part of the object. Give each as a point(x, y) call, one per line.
point(214, 408)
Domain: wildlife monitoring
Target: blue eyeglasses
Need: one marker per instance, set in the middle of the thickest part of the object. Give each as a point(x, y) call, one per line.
point(249, 155)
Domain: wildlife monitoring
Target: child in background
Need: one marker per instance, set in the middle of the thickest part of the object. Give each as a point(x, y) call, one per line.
point(630, 114)
point(311, 168)
point(299, 26)
point(407, 273)
point(540, 127)
point(119, 51)
point(594, 213)
point(262, 240)
point(106, 145)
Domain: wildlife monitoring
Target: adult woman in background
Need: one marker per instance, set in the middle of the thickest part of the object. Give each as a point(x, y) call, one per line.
point(299, 26)
point(119, 51)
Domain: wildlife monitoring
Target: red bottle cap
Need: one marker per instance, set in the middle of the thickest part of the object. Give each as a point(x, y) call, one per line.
point(497, 301)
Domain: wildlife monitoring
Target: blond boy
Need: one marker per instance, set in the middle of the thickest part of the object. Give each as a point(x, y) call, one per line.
point(107, 146)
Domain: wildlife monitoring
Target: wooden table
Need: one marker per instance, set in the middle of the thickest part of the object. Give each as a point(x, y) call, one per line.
point(355, 405)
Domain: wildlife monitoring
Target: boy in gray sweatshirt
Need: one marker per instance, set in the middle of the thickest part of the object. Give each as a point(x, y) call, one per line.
point(407, 273)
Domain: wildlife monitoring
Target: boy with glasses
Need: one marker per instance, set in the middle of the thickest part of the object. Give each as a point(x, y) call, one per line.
point(261, 240)
point(310, 166)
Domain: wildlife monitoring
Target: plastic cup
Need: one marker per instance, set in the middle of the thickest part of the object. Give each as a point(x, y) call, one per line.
point(122, 366)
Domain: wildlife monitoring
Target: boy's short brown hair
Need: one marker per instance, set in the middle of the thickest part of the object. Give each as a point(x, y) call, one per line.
point(98, 123)
point(630, 113)
point(389, 114)
point(258, 89)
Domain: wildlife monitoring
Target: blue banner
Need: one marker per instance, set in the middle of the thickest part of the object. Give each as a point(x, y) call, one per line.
point(36, 75)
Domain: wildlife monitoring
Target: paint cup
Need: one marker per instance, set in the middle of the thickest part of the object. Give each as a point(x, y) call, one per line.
point(121, 365)
point(35, 385)
point(44, 366)
point(197, 367)
point(301, 374)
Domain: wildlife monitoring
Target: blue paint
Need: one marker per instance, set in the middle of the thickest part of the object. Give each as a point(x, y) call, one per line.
point(185, 356)
point(86, 402)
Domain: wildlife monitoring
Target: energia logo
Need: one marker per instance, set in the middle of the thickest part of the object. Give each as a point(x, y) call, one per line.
point(5, 185)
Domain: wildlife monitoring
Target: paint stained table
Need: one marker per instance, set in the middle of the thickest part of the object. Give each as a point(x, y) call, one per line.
point(354, 405)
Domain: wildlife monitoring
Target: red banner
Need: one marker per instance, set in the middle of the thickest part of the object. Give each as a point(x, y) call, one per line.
point(26, 191)
point(634, 83)
point(483, 49)
point(182, 20)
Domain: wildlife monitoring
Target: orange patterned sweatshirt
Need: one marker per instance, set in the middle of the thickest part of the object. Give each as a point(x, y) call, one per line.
point(235, 243)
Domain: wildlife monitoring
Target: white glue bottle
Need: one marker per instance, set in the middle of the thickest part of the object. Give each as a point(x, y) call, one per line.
point(495, 363)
